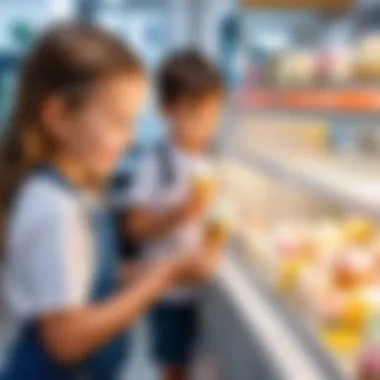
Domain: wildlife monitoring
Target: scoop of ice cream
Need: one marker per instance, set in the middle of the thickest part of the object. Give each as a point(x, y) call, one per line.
point(353, 268)
point(358, 231)
point(356, 260)
point(315, 285)
point(223, 211)
point(289, 240)
point(203, 170)
point(369, 363)
point(328, 238)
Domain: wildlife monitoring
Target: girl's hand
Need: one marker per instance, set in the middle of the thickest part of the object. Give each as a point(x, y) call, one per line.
point(199, 266)
point(211, 255)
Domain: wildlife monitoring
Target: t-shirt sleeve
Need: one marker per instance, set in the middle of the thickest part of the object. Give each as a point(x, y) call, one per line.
point(143, 190)
point(50, 263)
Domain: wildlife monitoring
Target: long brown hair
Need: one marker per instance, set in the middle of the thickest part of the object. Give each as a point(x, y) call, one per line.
point(67, 61)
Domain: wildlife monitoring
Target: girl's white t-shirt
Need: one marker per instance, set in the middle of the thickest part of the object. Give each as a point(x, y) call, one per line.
point(48, 260)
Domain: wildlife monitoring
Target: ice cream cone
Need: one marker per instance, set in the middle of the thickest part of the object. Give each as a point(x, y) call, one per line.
point(217, 231)
point(204, 181)
point(219, 223)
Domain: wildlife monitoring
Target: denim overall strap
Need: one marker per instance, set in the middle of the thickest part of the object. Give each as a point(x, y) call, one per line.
point(107, 361)
point(29, 359)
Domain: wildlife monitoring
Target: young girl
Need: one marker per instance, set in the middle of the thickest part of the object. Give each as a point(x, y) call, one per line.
point(79, 93)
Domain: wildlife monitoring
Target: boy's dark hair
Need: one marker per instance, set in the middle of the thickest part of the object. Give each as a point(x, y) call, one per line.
point(188, 74)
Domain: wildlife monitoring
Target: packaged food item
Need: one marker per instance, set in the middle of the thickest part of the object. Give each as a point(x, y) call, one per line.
point(329, 240)
point(367, 59)
point(352, 269)
point(297, 67)
point(368, 363)
point(314, 287)
point(341, 340)
point(294, 241)
point(351, 310)
point(355, 311)
point(374, 251)
point(339, 66)
point(317, 136)
point(305, 66)
point(358, 231)
point(343, 317)
point(286, 241)
point(289, 274)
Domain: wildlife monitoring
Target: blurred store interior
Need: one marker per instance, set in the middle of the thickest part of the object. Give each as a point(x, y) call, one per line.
point(298, 297)
point(152, 27)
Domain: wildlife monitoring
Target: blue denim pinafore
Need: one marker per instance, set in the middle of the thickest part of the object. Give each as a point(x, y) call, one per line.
point(28, 358)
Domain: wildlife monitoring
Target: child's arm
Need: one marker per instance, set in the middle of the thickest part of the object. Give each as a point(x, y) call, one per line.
point(143, 224)
point(205, 268)
point(200, 271)
point(72, 334)
point(52, 269)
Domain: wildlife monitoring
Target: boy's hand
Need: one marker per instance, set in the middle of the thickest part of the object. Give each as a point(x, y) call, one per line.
point(198, 203)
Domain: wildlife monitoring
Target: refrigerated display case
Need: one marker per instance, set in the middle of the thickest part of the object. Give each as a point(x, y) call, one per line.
point(301, 281)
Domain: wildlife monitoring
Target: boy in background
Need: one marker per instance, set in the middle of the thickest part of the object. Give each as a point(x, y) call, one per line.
point(166, 213)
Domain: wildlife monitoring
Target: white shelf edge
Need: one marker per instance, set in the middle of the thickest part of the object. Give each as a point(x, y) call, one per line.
point(286, 351)
point(338, 195)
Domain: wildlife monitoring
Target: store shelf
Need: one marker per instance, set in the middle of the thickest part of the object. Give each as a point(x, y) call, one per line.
point(355, 190)
point(292, 350)
point(333, 99)
point(337, 5)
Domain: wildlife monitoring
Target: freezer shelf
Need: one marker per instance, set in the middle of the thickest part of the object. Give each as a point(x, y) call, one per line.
point(242, 313)
point(324, 177)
